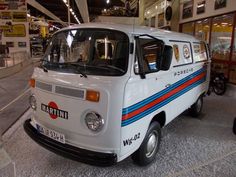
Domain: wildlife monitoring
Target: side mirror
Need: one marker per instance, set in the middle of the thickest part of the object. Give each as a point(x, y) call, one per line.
point(166, 58)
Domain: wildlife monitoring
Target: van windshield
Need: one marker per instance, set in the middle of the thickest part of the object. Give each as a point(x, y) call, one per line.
point(88, 52)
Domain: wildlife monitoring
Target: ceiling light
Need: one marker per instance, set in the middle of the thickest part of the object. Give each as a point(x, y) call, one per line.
point(108, 1)
point(201, 5)
point(72, 12)
point(224, 23)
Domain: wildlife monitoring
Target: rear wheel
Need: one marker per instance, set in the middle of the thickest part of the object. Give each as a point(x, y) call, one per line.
point(149, 147)
point(196, 108)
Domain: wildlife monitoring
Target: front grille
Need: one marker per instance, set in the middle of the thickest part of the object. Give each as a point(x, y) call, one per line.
point(44, 86)
point(70, 92)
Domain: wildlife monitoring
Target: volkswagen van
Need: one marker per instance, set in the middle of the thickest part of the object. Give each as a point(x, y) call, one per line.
point(105, 91)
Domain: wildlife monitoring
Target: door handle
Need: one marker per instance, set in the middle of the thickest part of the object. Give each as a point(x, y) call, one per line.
point(167, 85)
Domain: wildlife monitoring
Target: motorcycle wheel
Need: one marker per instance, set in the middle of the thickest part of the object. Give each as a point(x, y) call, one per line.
point(219, 87)
point(234, 126)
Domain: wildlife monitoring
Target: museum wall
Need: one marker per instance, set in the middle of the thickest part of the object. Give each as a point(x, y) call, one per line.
point(209, 9)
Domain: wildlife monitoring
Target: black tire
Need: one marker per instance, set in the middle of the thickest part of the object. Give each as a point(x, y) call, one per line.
point(142, 157)
point(234, 126)
point(196, 108)
point(219, 87)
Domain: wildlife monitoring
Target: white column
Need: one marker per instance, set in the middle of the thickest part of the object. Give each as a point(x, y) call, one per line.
point(83, 8)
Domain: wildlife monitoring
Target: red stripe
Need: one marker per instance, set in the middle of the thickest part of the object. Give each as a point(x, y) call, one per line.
point(162, 98)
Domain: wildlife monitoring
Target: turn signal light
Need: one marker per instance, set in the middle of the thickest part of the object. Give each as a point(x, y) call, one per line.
point(32, 83)
point(92, 95)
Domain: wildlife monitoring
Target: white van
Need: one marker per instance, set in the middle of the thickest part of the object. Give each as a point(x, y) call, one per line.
point(104, 91)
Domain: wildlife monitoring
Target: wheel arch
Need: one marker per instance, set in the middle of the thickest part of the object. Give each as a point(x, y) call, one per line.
point(160, 118)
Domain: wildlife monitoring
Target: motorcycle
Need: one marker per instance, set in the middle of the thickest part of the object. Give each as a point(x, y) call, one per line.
point(234, 126)
point(218, 83)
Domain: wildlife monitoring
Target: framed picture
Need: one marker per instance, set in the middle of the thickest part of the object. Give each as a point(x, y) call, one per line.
point(153, 19)
point(201, 7)
point(146, 22)
point(10, 44)
point(187, 9)
point(160, 20)
point(220, 4)
point(21, 44)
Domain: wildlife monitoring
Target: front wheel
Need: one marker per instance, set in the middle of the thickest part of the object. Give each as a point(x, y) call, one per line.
point(196, 108)
point(149, 147)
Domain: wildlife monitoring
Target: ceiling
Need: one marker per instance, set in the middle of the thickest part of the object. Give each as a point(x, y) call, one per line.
point(59, 9)
point(96, 6)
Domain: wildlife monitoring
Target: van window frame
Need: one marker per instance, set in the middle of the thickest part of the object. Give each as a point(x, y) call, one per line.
point(207, 52)
point(137, 59)
point(191, 49)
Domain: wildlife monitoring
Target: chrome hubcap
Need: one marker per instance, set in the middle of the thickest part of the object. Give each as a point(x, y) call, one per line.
point(151, 144)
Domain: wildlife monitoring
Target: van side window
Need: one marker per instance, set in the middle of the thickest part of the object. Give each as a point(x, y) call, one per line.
point(182, 53)
point(151, 53)
point(200, 52)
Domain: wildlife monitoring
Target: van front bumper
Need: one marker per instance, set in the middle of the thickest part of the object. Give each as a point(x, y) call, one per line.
point(72, 152)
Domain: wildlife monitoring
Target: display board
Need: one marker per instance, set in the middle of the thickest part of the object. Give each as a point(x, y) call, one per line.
point(13, 25)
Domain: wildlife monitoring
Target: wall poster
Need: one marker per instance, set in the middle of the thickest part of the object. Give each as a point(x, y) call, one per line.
point(19, 16)
point(18, 30)
point(6, 15)
point(13, 25)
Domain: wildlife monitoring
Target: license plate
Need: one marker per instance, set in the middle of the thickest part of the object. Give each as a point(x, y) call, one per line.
point(51, 134)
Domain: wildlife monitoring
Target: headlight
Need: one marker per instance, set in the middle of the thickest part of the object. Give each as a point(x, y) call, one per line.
point(94, 121)
point(32, 102)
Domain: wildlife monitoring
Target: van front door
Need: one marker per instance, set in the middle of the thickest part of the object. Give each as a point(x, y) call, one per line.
point(144, 92)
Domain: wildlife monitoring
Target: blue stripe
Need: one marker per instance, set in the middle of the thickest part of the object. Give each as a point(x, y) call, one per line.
point(163, 103)
point(161, 93)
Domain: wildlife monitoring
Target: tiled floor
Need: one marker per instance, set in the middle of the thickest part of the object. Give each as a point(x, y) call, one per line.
point(190, 147)
point(11, 88)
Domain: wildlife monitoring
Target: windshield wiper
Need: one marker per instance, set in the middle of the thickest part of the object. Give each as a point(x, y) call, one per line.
point(75, 65)
point(112, 67)
point(42, 66)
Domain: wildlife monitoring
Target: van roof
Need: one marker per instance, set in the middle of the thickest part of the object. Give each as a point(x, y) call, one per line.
point(130, 29)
